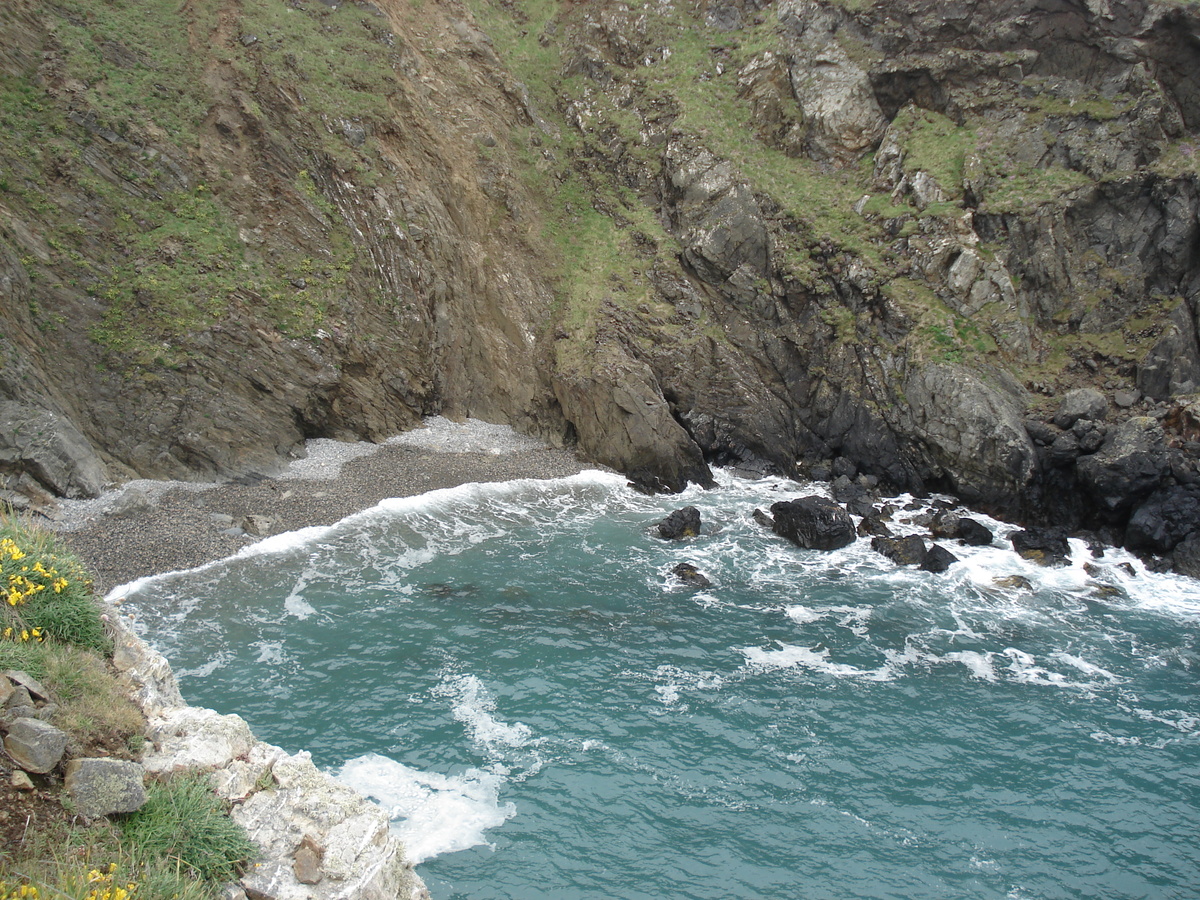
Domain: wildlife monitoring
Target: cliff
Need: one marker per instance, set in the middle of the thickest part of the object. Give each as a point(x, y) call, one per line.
point(898, 233)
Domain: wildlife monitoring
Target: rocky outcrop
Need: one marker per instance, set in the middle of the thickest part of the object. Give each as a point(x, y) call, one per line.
point(814, 523)
point(287, 806)
point(682, 523)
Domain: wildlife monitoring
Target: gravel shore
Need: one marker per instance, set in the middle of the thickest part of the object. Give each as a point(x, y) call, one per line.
point(149, 527)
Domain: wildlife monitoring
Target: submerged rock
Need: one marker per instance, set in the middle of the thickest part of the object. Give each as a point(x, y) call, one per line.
point(682, 523)
point(907, 551)
point(691, 576)
point(814, 523)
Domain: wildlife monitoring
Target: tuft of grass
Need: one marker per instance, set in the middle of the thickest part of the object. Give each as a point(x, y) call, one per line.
point(185, 821)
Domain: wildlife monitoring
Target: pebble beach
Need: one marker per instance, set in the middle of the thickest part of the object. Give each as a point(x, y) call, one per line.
point(150, 527)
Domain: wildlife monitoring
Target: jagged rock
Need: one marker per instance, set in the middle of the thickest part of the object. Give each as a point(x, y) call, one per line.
point(974, 533)
point(190, 737)
point(906, 551)
point(763, 519)
point(1130, 464)
point(143, 672)
point(361, 858)
point(1046, 546)
point(1165, 519)
point(6, 691)
point(1126, 399)
point(101, 787)
point(975, 431)
point(872, 525)
point(1042, 433)
point(691, 576)
point(32, 685)
point(682, 523)
point(258, 526)
point(1082, 403)
point(34, 745)
point(814, 523)
point(50, 449)
point(1186, 558)
point(938, 559)
point(21, 781)
point(19, 698)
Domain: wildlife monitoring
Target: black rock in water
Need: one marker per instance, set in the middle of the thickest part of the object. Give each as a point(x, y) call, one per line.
point(683, 523)
point(763, 519)
point(1045, 546)
point(938, 559)
point(691, 576)
point(814, 523)
point(907, 551)
point(974, 533)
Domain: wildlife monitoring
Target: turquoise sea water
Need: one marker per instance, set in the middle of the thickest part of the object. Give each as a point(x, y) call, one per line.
point(515, 674)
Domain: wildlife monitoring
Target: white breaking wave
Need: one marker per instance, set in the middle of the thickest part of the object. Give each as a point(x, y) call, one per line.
point(432, 814)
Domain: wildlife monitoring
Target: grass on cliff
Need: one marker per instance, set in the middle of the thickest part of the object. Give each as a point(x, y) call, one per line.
point(181, 845)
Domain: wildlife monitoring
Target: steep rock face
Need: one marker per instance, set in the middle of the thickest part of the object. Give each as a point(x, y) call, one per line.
point(742, 232)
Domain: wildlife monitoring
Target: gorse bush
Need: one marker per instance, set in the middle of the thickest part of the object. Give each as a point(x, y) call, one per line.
point(44, 591)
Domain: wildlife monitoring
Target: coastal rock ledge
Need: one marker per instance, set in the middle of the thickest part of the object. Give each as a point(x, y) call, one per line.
point(318, 839)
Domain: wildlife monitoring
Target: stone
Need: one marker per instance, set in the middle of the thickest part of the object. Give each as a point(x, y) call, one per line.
point(1128, 467)
point(19, 697)
point(36, 691)
point(143, 672)
point(873, 525)
point(906, 551)
point(682, 523)
point(1083, 403)
point(974, 533)
point(938, 559)
point(50, 449)
point(6, 691)
point(258, 526)
point(34, 745)
point(189, 737)
point(133, 501)
point(1019, 582)
point(21, 781)
point(1126, 399)
point(1186, 558)
point(307, 861)
point(813, 522)
point(102, 787)
point(1045, 546)
point(1165, 519)
point(763, 519)
point(691, 576)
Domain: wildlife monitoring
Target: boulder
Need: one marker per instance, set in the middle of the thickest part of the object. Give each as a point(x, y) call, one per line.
point(1084, 403)
point(682, 523)
point(974, 533)
point(1186, 558)
point(815, 523)
point(873, 526)
point(763, 519)
point(6, 691)
point(49, 448)
point(34, 745)
point(101, 787)
point(1128, 467)
point(691, 576)
point(32, 685)
point(21, 781)
point(906, 551)
point(258, 526)
point(1165, 519)
point(1046, 546)
point(938, 559)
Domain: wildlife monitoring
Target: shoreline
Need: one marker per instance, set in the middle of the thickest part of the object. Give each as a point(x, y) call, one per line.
point(149, 528)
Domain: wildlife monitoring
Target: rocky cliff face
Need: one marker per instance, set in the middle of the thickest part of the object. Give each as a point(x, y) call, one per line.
point(733, 231)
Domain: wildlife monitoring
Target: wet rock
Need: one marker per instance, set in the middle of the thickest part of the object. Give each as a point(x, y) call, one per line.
point(872, 525)
point(938, 559)
point(101, 787)
point(905, 551)
point(682, 523)
point(1045, 546)
point(691, 576)
point(1165, 519)
point(34, 745)
point(1128, 467)
point(1186, 558)
point(1084, 403)
point(974, 533)
point(763, 519)
point(1019, 582)
point(815, 523)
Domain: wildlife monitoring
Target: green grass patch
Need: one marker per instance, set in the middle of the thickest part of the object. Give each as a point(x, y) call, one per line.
point(183, 820)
